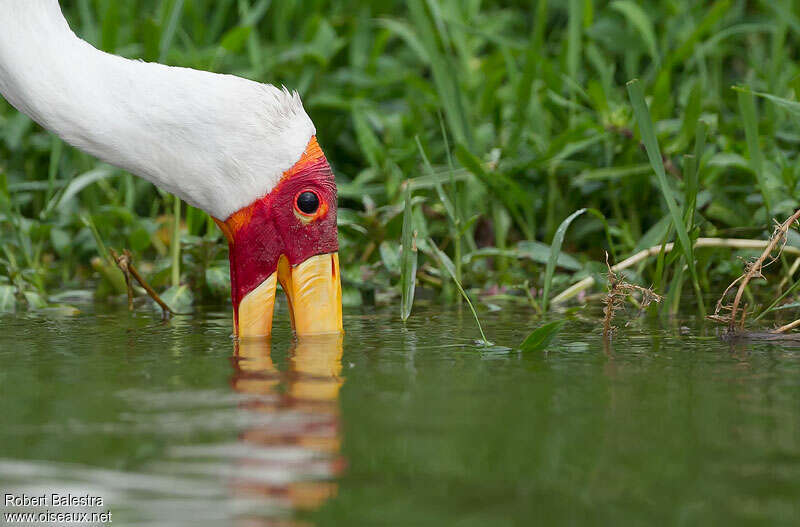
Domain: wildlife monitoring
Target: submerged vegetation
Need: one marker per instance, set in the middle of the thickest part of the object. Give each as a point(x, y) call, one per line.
point(501, 144)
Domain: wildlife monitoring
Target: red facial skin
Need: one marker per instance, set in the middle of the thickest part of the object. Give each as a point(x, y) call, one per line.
point(272, 226)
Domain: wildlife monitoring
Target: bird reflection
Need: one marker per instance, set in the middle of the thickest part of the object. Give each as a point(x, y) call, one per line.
point(293, 447)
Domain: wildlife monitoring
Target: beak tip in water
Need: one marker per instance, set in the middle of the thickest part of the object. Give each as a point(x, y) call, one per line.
point(313, 292)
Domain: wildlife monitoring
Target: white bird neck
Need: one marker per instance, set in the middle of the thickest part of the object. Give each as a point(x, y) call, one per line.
point(218, 142)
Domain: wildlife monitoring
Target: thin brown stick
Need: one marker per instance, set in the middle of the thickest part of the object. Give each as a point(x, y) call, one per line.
point(730, 243)
point(754, 270)
point(787, 327)
point(125, 263)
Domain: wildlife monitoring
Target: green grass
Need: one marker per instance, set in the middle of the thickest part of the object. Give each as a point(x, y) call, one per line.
point(505, 118)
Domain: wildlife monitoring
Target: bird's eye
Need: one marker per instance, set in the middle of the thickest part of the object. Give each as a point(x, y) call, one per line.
point(307, 202)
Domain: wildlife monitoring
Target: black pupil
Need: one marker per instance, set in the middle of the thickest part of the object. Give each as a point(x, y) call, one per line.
point(308, 202)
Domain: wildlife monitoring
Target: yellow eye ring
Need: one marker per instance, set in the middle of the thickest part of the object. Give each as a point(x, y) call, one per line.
point(308, 206)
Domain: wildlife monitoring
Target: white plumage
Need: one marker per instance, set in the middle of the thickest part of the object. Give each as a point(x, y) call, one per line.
point(218, 142)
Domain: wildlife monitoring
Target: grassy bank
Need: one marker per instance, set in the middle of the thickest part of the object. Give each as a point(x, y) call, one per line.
point(504, 119)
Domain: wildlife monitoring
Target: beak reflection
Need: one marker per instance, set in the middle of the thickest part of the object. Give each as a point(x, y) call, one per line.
point(295, 443)
point(314, 292)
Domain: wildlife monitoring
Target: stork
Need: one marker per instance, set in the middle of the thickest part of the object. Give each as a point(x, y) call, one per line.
point(244, 152)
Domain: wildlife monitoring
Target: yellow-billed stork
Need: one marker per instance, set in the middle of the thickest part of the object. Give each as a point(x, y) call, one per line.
point(244, 152)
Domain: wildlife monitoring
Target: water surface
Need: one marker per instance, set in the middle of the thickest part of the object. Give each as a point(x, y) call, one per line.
point(173, 424)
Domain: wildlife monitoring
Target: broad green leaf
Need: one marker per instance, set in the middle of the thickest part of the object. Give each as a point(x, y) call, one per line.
point(35, 300)
point(540, 252)
point(235, 39)
point(139, 239)
point(218, 280)
point(178, 298)
point(390, 256)
point(728, 159)
point(654, 235)
point(8, 301)
point(61, 240)
point(542, 336)
point(555, 251)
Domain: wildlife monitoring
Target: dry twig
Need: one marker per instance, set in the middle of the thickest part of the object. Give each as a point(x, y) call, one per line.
point(618, 290)
point(753, 269)
point(731, 243)
point(125, 263)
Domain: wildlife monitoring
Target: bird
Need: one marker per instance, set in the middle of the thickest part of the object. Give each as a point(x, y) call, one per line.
point(244, 152)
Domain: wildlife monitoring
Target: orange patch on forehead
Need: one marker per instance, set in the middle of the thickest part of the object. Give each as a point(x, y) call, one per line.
point(311, 155)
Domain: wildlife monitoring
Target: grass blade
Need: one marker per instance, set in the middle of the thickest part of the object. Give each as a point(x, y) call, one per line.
point(792, 107)
point(574, 37)
point(52, 170)
point(445, 75)
point(654, 155)
point(408, 262)
point(778, 300)
point(555, 250)
point(690, 191)
point(448, 206)
point(692, 171)
point(719, 9)
point(525, 83)
point(673, 298)
point(77, 184)
point(747, 108)
point(175, 248)
point(168, 35)
point(639, 20)
point(505, 189)
point(87, 220)
point(445, 261)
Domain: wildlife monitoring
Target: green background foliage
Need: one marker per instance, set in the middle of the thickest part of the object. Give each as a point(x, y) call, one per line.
point(503, 118)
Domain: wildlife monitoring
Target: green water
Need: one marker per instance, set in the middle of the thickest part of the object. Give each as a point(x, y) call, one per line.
point(394, 426)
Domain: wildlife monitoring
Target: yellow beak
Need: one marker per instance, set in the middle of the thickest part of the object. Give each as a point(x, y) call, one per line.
point(314, 293)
